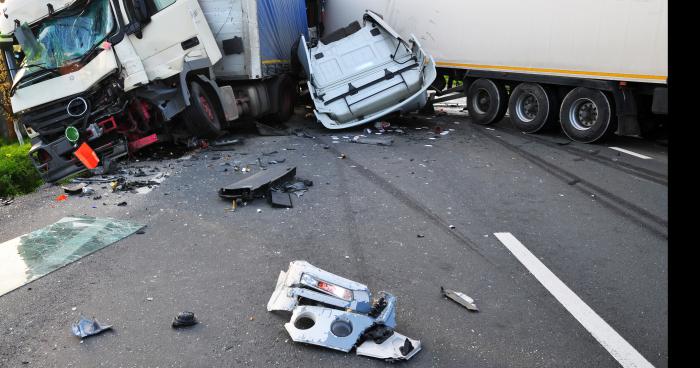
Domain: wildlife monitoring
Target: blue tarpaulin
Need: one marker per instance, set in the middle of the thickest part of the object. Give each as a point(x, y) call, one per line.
point(281, 23)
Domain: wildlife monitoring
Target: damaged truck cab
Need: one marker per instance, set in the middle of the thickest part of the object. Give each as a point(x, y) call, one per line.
point(93, 80)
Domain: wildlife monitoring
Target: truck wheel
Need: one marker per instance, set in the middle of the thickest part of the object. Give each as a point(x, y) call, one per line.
point(532, 107)
point(586, 115)
point(285, 95)
point(487, 101)
point(202, 117)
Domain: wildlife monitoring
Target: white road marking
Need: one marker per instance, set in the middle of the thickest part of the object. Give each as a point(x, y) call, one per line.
point(615, 344)
point(635, 154)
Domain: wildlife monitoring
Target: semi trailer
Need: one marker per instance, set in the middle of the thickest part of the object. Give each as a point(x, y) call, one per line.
point(592, 67)
point(94, 80)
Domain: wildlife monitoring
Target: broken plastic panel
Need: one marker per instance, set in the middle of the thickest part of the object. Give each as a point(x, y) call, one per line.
point(396, 347)
point(31, 256)
point(360, 74)
point(341, 317)
point(87, 327)
point(302, 280)
point(258, 184)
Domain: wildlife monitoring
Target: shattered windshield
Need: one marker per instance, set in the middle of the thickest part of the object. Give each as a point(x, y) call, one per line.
point(68, 36)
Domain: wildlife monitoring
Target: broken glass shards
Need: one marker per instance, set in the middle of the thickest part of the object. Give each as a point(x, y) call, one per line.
point(31, 256)
point(336, 313)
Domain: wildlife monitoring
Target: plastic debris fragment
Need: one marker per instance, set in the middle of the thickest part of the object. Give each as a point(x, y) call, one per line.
point(86, 327)
point(184, 319)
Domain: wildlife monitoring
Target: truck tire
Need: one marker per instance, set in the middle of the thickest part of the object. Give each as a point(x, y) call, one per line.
point(586, 115)
point(532, 107)
point(202, 116)
point(283, 95)
point(487, 101)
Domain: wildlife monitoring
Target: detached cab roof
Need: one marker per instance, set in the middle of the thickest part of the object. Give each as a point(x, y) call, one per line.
point(27, 11)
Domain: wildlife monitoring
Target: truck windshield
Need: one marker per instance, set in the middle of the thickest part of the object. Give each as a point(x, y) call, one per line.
point(68, 36)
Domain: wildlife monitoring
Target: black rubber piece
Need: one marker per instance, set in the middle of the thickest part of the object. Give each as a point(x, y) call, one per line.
point(547, 107)
point(184, 319)
point(197, 119)
point(604, 121)
point(496, 97)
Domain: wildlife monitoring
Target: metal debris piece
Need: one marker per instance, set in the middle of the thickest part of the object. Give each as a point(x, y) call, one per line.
point(396, 347)
point(184, 319)
point(86, 327)
point(460, 298)
point(331, 328)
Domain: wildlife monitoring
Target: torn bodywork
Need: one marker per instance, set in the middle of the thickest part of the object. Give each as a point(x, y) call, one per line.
point(360, 73)
point(334, 312)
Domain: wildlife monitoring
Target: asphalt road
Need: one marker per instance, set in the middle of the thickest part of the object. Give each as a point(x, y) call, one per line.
point(595, 216)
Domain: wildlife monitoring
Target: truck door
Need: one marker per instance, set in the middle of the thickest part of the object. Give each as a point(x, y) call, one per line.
point(167, 33)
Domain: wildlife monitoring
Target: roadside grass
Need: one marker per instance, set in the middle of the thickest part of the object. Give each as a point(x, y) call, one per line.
point(17, 174)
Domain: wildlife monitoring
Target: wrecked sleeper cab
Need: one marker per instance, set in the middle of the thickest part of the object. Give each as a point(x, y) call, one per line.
point(361, 73)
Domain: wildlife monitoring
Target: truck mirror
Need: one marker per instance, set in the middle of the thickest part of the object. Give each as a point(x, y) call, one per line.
point(139, 16)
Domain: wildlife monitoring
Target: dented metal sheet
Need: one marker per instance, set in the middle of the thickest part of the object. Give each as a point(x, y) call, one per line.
point(396, 347)
point(305, 280)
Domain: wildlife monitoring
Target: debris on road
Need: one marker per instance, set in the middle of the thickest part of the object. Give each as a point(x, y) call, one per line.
point(6, 201)
point(280, 199)
point(258, 184)
point(460, 298)
point(61, 198)
point(342, 315)
point(379, 141)
point(184, 319)
point(74, 189)
point(86, 327)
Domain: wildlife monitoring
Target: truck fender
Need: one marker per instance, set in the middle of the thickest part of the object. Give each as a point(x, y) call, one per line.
point(225, 97)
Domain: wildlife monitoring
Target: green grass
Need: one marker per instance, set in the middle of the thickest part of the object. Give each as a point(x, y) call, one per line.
point(17, 174)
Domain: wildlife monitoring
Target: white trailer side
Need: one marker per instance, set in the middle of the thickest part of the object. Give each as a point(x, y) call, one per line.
point(619, 48)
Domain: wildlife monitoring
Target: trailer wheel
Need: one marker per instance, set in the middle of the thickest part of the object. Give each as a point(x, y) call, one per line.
point(487, 101)
point(532, 107)
point(284, 96)
point(586, 115)
point(202, 116)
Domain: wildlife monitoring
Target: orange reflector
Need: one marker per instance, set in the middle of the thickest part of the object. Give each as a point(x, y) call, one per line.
point(61, 198)
point(87, 156)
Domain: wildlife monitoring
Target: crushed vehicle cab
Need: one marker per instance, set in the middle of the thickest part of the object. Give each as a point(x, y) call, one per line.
point(72, 62)
point(359, 74)
point(94, 80)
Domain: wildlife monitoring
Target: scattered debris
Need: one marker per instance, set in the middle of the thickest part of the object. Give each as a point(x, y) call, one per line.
point(344, 318)
point(121, 204)
point(6, 201)
point(61, 198)
point(380, 141)
point(86, 327)
point(280, 199)
point(74, 189)
point(460, 298)
point(258, 184)
point(184, 319)
point(342, 156)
